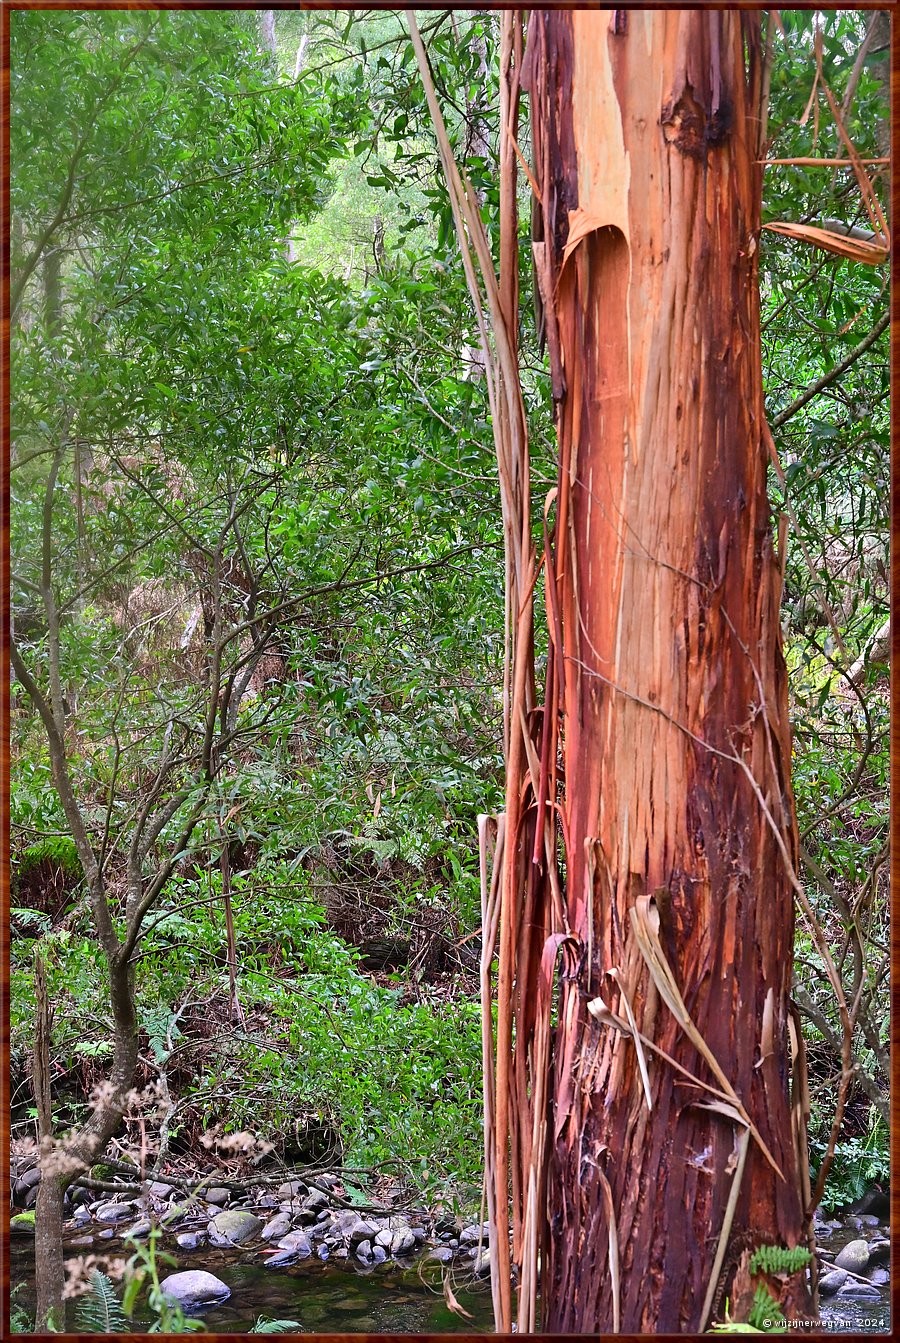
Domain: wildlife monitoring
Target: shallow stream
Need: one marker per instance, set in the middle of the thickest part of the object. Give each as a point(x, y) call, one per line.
point(324, 1298)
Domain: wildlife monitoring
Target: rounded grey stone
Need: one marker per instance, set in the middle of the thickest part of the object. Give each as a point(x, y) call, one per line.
point(315, 1199)
point(403, 1242)
point(279, 1225)
point(293, 1189)
point(829, 1283)
point(360, 1231)
point(188, 1240)
point(298, 1243)
point(861, 1290)
point(114, 1212)
point(194, 1287)
point(854, 1256)
point(234, 1227)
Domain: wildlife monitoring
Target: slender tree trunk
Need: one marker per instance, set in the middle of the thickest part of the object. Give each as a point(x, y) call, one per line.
point(48, 1208)
point(672, 689)
point(267, 31)
point(62, 1160)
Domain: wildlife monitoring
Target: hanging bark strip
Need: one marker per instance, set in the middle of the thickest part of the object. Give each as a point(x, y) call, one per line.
point(516, 898)
point(677, 813)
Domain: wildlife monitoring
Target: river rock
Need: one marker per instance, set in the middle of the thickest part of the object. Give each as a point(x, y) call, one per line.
point(160, 1190)
point(879, 1277)
point(25, 1183)
point(471, 1235)
point(327, 1180)
point(441, 1254)
point(364, 1251)
point(880, 1252)
point(189, 1240)
point(217, 1195)
point(108, 1233)
point(234, 1227)
point(403, 1242)
point(141, 1228)
point(194, 1288)
point(861, 1291)
point(829, 1283)
point(481, 1265)
point(384, 1237)
point(379, 1254)
point(315, 1200)
point(360, 1231)
point(854, 1256)
point(294, 1247)
point(79, 1242)
point(81, 1216)
point(298, 1243)
point(114, 1212)
point(293, 1189)
point(279, 1225)
point(175, 1214)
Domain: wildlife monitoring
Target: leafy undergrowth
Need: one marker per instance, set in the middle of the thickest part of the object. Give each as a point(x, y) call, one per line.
point(322, 1060)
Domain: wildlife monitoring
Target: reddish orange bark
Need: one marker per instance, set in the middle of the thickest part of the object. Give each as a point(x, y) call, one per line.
point(667, 681)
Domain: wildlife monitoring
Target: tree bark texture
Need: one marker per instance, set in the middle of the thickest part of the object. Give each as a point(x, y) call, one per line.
point(667, 684)
point(64, 1159)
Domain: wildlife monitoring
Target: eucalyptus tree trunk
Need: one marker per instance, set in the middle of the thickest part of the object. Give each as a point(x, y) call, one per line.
point(671, 1157)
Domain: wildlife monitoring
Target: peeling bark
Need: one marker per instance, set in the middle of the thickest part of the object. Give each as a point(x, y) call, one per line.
point(671, 683)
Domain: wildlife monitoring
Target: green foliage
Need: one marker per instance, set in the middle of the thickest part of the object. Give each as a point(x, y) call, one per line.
point(57, 849)
point(99, 1310)
point(264, 1326)
point(859, 1162)
point(21, 1321)
point(233, 369)
point(765, 1312)
point(779, 1259)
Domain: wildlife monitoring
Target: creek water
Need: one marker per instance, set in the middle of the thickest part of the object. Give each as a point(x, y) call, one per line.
point(321, 1297)
point(324, 1298)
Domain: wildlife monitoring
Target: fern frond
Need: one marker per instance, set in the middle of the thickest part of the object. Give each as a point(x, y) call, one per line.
point(765, 1310)
point(99, 1311)
point(777, 1259)
point(264, 1326)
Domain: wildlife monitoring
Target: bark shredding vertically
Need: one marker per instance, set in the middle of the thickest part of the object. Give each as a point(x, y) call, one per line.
point(669, 677)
